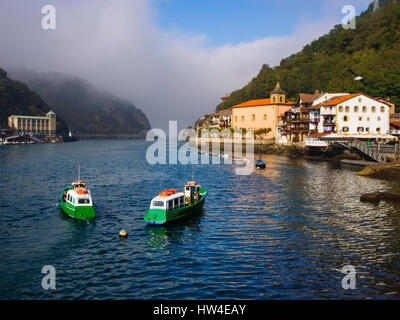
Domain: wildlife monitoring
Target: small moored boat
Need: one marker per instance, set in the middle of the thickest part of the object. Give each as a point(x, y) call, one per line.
point(260, 164)
point(76, 201)
point(170, 204)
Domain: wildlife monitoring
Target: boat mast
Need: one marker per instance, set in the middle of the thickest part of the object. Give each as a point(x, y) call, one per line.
point(79, 172)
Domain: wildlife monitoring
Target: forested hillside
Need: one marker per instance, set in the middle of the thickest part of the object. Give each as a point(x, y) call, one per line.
point(329, 64)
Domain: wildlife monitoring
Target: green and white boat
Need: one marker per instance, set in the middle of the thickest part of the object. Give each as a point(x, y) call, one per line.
point(76, 201)
point(170, 204)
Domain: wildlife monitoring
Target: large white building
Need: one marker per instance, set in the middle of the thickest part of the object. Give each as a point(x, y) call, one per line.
point(354, 115)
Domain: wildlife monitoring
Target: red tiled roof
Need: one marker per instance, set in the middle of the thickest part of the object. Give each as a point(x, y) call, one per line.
point(306, 97)
point(337, 100)
point(224, 112)
point(261, 102)
point(395, 124)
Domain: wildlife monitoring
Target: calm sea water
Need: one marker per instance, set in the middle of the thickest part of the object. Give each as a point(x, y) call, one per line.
point(282, 233)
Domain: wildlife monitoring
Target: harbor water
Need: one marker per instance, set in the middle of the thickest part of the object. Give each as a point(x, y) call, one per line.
point(284, 232)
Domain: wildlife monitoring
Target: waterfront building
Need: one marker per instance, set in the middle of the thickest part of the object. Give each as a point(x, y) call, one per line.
point(395, 124)
point(355, 114)
point(395, 117)
point(304, 118)
point(221, 119)
point(356, 118)
point(216, 120)
point(319, 114)
point(259, 114)
point(45, 126)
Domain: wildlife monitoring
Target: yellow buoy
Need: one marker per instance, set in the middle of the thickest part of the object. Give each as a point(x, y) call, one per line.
point(123, 233)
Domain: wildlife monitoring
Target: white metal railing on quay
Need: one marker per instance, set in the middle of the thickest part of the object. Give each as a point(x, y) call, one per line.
point(229, 140)
point(366, 149)
point(385, 148)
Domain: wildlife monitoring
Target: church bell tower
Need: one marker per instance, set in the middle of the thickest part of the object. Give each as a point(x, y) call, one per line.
point(278, 95)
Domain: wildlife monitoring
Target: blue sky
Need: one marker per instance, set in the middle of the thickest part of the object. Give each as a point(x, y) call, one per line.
point(235, 21)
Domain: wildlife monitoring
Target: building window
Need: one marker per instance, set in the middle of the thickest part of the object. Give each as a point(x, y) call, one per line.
point(378, 129)
point(367, 129)
point(355, 109)
point(265, 117)
point(382, 109)
point(345, 129)
point(360, 129)
point(359, 99)
point(379, 118)
point(340, 108)
point(273, 99)
point(345, 118)
point(242, 118)
point(373, 109)
point(364, 109)
point(235, 118)
point(281, 99)
point(367, 118)
point(347, 109)
point(360, 118)
point(253, 117)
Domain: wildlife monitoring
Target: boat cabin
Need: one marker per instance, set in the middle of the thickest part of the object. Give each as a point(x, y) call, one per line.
point(168, 202)
point(192, 190)
point(77, 199)
point(78, 184)
point(78, 195)
point(171, 199)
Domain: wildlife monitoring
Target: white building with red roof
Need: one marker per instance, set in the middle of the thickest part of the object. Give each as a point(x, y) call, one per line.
point(355, 114)
point(352, 116)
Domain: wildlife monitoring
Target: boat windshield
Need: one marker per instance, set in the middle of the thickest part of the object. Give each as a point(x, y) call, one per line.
point(83, 201)
point(158, 204)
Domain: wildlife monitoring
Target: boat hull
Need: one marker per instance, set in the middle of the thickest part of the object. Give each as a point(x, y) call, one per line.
point(160, 217)
point(76, 212)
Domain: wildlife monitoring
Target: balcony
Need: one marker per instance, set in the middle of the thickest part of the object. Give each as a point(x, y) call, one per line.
point(300, 119)
point(329, 121)
point(298, 130)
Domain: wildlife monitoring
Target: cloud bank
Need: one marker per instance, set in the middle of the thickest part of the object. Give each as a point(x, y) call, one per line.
point(118, 46)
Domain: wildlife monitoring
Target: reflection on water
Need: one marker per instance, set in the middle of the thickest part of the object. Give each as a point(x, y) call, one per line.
point(282, 232)
point(162, 236)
